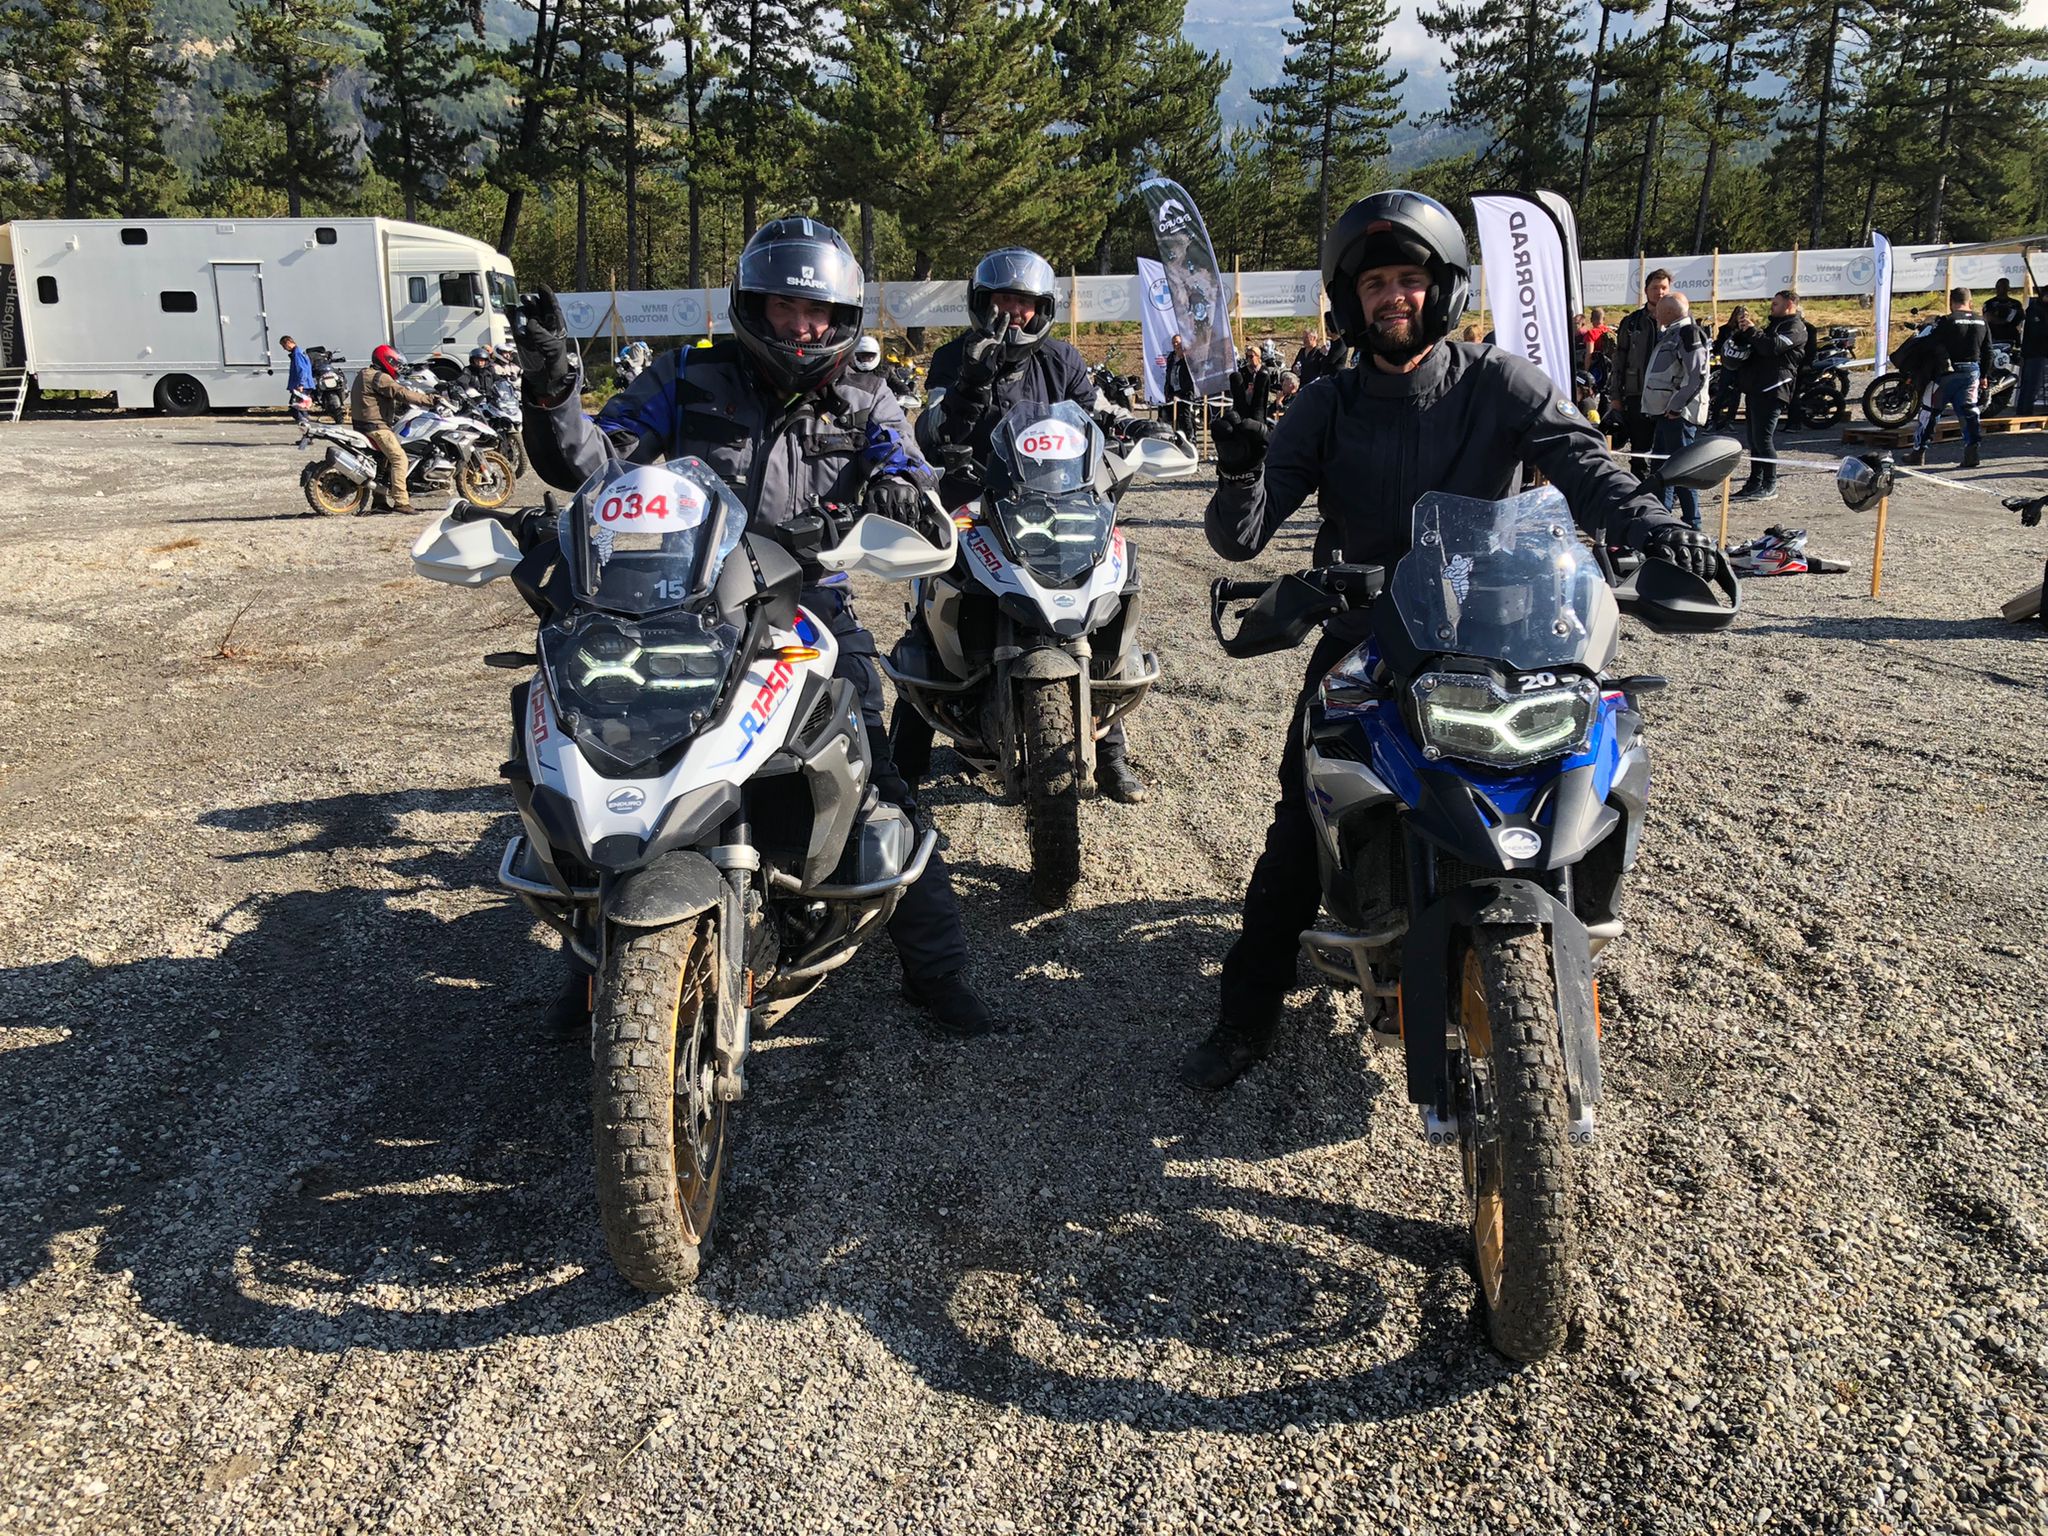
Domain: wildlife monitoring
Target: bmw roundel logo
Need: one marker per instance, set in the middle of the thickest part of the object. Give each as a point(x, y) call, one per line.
point(622, 801)
point(1161, 294)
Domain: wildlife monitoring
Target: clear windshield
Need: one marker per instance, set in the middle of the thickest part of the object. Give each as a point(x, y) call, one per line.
point(643, 538)
point(1043, 490)
point(1503, 581)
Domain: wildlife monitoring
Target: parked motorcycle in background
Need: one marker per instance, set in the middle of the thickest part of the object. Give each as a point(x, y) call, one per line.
point(1029, 649)
point(1479, 783)
point(1820, 395)
point(330, 388)
point(693, 783)
point(1893, 398)
point(443, 451)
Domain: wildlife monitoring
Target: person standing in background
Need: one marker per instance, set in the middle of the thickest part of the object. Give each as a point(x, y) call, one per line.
point(2034, 353)
point(1962, 341)
point(1310, 360)
point(1767, 378)
point(299, 388)
point(1180, 387)
point(2004, 314)
point(1675, 392)
point(1633, 340)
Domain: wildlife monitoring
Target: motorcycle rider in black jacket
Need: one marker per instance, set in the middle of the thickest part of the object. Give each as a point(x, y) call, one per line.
point(1962, 342)
point(1006, 358)
point(1418, 414)
point(780, 416)
point(2004, 313)
point(1767, 379)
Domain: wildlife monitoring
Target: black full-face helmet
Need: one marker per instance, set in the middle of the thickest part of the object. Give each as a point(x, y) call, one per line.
point(1014, 270)
point(797, 258)
point(1390, 229)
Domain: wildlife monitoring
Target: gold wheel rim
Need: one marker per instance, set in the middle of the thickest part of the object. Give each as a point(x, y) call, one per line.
point(1482, 1163)
point(696, 1117)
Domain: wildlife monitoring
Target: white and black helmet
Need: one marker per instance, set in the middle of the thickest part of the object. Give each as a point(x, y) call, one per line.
point(797, 258)
point(1014, 270)
point(1387, 229)
point(867, 354)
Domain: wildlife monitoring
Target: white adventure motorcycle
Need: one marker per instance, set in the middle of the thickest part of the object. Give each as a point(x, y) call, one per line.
point(442, 448)
point(694, 787)
point(1027, 651)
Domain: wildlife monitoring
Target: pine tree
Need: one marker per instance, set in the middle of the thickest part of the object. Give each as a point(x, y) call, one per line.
point(1727, 111)
point(1982, 98)
point(52, 142)
point(281, 136)
point(526, 154)
point(418, 69)
point(1336, 100)
point(1144, 95)
point(136, 68)
point(1513, 64)
point(944, 117)
point(763, 47)
point(1609, 10)
point(646, 98)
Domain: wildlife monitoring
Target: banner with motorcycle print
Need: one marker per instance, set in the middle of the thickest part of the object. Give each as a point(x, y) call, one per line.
point(1527, 288)
point(1155, 322)
point(1191, 283)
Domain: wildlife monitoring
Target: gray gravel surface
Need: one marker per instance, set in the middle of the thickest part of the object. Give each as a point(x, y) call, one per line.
point(296, 1216)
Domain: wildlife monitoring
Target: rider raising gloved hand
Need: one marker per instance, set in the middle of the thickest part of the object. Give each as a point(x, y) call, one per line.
point(547, 359)
point(1240, 445)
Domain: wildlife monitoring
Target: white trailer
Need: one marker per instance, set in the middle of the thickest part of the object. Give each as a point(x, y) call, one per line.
point(186, 314)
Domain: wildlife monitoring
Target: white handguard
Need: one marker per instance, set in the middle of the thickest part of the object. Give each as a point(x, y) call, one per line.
point(1162, 458)
point(881, 546)
point(464, 554)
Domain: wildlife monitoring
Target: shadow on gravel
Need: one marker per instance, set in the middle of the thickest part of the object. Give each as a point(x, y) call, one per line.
point(1053, 1222)
point(348, 1128)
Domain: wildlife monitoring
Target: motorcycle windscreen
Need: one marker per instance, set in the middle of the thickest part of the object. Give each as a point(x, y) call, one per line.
point(1504, 581)
point(644, 538)
point(1044, 488)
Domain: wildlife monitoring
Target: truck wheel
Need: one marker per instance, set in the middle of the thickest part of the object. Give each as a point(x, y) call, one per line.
point(179, 394)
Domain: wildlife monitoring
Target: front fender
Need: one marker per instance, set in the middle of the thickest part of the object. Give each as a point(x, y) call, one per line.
point(1427, 986)
point(1046, 664)
point(676, 886)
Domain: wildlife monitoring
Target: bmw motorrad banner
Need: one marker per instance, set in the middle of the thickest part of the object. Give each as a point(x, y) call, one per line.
point(1156, 327)
point(1527, 285)
point(1881, 298)
point(1193, 283)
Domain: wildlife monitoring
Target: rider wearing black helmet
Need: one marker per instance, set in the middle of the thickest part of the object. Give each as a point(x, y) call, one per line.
point(1008, 357)
point(1418, 414)
point(778, 413)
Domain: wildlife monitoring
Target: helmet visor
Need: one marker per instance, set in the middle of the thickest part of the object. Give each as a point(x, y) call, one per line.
point(803, 269)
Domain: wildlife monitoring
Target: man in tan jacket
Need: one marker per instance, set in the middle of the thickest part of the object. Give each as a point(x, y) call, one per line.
point(375, 402)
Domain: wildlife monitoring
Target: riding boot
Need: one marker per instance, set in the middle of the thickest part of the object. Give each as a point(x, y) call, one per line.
point(1970, 459)
point(1115, 777)
point(1240, 1040)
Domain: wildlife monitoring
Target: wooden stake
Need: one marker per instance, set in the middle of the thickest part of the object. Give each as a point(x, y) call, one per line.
point(1795, 266)
point(1724, 511)
point(1073, 307)
point(1714, 305)
point(1884, 504)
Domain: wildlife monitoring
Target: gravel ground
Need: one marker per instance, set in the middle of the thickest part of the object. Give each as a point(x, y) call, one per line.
point(296, 1217)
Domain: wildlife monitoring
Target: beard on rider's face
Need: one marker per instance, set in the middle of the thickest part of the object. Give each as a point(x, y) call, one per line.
point(1394, 331)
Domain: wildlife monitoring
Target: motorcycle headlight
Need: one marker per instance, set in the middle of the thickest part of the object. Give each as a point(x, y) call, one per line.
point(629, 691)
point(1472, 717)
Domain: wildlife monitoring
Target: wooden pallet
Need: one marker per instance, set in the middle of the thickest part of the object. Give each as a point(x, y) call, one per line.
point(1947, 430)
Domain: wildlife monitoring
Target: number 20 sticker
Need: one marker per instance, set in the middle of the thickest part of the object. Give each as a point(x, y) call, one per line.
point(1052, 439)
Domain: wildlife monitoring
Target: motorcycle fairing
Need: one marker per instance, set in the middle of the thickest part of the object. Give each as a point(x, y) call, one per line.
point(1067, 612)
point(758, 717)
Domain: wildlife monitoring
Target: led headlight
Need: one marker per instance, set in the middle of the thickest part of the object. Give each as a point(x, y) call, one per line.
point(629, 690)
point(1473, 717)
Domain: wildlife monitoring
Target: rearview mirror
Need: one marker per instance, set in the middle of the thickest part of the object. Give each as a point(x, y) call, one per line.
point(1702, 466)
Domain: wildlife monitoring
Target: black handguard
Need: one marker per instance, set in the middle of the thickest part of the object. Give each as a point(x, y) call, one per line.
point(547, 360)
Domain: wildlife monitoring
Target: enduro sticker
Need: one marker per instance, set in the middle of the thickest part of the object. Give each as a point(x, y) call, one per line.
point(1052, 438)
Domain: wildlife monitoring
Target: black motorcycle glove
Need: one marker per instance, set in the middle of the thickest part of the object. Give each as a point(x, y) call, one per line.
point(547, 360)
point(1240, 444)
point(897, 501)
point(2028, 507)
point(1687, 548)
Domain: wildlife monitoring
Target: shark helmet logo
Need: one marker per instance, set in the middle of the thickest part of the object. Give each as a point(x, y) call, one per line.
point(810, 271)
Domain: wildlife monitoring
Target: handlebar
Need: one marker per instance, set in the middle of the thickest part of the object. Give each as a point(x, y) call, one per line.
point(1224, 590)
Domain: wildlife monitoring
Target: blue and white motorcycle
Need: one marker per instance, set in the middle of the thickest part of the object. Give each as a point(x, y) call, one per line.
point(1478, 785)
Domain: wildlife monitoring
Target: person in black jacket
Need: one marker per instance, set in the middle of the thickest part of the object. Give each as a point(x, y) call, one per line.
point(1007, 357)
point(1767, 376)
point(1962, 342)
point(1419, 413)
point(1180, 386)
point(2004, 313)
point(2034, 353)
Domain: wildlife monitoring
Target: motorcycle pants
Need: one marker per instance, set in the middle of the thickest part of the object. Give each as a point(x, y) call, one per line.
point(1957, 391)
point(1285, 892)
point(930, 938)
point(392, 452)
